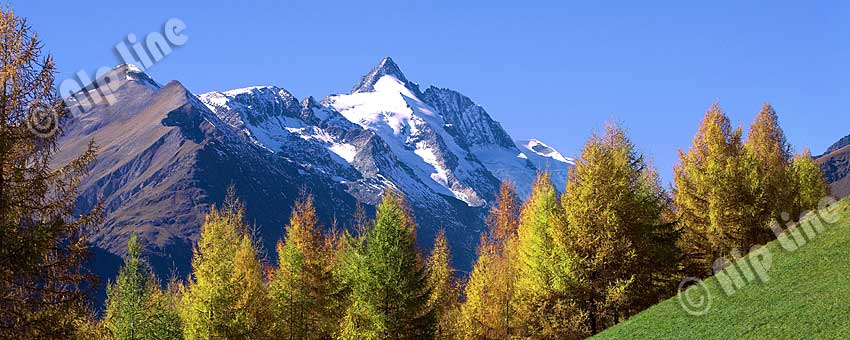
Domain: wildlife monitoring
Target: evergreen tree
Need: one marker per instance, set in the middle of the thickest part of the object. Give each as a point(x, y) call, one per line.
point(715, 203)
point(771, 178)
point(387, 280)
point(225, 297)
point(127, 304)
point(623, 254)
point(809, 182)
point(545, 283)
point(43, 290)
point(488, 312)
point(444, 298)
point(166, 316)
point(136, 307)
point(302, 287)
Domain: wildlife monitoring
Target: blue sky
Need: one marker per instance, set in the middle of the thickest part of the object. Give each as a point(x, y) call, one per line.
point(552, 70)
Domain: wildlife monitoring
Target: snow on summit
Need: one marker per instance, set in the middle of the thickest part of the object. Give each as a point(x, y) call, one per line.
point(443, 142)
point(386, 103)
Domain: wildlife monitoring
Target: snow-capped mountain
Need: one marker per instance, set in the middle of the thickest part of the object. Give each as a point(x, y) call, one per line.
point(386, 103)
point(546, 158)
point(167, 155)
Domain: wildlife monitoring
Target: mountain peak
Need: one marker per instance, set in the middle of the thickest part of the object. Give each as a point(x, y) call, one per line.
point(840, 144)
point(134, 73)
point(387, 67)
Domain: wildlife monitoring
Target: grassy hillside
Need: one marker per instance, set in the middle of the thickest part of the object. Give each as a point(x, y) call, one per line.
point(807, 296)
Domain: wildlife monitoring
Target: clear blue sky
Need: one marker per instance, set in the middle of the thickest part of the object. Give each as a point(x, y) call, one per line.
point(544, 69)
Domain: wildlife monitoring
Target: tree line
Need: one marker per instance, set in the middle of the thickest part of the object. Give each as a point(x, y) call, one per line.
point(556, 266)
point(552, 266)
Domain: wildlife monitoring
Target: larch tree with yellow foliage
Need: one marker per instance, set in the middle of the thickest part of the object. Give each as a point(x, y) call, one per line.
point(489, 311)
point(444, 289)
point(43, 286)
point(225, 296)
point(714, 201)
point(810, 184)
point(771, 179)
point(301, 288)
point(546, 299)
point(623, 252)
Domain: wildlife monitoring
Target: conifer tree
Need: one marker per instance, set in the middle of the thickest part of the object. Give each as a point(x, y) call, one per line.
point(488, 312)
point(810, 184)
point(43, 290)
point(136, 306)
point(387, 281)
point(771, 178)
point(545, 284)
point(127, 314)
point(503, 219)
point(444, 298)
point(715, 203)
point(167, 322)
point(623, 254)
point(302, 287)
point(479, 319)
point(225, 297)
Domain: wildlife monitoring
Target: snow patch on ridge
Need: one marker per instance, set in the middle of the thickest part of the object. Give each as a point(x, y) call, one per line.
point(544, 150)
point(275, 133)
point(546, 158)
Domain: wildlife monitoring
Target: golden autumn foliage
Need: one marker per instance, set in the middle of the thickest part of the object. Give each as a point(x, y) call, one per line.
point(444, 290)
point(729, 193)
point(301, 288)
point(554, 266)
point(225, 297)
point(623, 252)
point(43, 287)
point(712, 195)
point(488, 312)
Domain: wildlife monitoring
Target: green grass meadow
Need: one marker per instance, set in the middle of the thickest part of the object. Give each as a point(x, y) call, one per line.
point(807, 296)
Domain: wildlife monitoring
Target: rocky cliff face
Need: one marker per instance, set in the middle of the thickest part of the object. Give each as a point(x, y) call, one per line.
point(835, 164)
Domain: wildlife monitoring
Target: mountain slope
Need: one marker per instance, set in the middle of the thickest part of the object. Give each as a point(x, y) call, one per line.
point(437, 147)
point(835, 164)
point(167, 155)
point(815, 276)
point(164, 158)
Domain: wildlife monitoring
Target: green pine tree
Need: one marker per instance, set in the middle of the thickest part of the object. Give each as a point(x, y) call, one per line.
point(545, 303)
point(136, 306)
point(386, 278)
